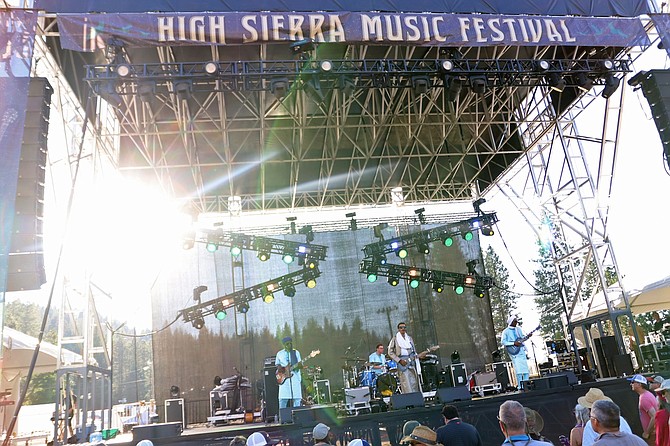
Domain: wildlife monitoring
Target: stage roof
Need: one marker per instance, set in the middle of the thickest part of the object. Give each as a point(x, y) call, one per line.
point(596, 8)
point(336, 144)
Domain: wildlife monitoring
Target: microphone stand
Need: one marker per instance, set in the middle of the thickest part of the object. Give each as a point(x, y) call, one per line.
point(532, 344)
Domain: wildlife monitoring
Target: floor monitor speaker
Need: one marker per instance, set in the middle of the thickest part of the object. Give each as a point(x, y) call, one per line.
point(449, 394)
point(408, 400)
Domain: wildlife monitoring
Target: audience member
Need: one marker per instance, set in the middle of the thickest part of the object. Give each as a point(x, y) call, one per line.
point(455, 431)
point(595, 394)
point(534, 424)
point(647, 407)
point(321, 434)
point(260, 438)
point(582, 419)
point(421, 435)
point(663, 415)
point(512, 421)
point(240, 440)
point(358, 442)
point(605, 417)
point(407, 429)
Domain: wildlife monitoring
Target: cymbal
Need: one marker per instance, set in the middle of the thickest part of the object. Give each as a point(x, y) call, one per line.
point(353, 359)
point(373, 363)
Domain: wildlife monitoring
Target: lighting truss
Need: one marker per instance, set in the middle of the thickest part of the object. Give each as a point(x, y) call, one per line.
point(270, 245)
point(246, 295)
point(407, 241)
point(426, 275)
point(364, 73)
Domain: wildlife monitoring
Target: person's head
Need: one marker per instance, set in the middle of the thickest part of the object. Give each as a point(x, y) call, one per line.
point(655, 316)
point(260, 438)
point(240, 440)
point(655, 382)
point(402, 327)
point(512, 418)
point(380, 348)
point(449, 412)
point(582, 414)
point(534, 421)
point(512, 321)
point(408, 427)
point(421, 435)
point(605, 416)
point(594, 394)
point(638, 383)
point(287, 342)
point(321, 433)
point(358, 442)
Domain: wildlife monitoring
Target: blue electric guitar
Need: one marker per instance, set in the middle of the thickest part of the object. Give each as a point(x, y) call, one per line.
point(515, 349)
point(410, 358)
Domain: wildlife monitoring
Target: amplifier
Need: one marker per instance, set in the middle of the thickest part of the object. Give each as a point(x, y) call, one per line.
point(663, 353)
point(486, 378)
point(661, 366)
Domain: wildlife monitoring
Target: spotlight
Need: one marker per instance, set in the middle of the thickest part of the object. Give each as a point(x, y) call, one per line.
point(419, 213)
point(174, 391)
point(480, 292)
point(606, 65)
point(308, 233)
point(438, 287)
point(466, 233)
point(470, 279)
point(220, 312)
point(423, 248)
point(346, 85)
point(393, 281)
point(556, 82)
point(455, 357)
point(414, 283)
point(420, 84)
point(211, 68)
point(312, 87)
point(123, 70)
point(189, 240)
point(459, 288)
point(453, 86)
point(353, 225)
point(211, 247)
point(379, 259)
point(446, 65)
point(288, 288)
point(372, 274)
point(147, 91)
point(311, 264)
point(263, 255)
point(235, 250)
point(279, 87)
point(243, 307)
point(542, 65)
point(378, 230)
point(583, 82)
point(287, 257)
point(198, 322)
point(309, 279)
point(486, 230)
point(477, 205)
point(447, 240)
point(478, 84)
point(302, 46)
point(268, 297)
point(183, 89)
point(326, 66)
point(292, 220)
point(611, 86)
point(197, 291)
point(401, 252)
point(472, 264)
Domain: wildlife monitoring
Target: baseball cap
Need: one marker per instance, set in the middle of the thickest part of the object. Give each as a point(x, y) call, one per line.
point(638, 379)
point(320, 431)
point(358, 442)
point(260, 438)
point(658, 379)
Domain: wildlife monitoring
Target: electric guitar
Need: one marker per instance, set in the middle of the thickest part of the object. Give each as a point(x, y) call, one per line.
point(515, 349)
point(284, 373)
point(410, 358)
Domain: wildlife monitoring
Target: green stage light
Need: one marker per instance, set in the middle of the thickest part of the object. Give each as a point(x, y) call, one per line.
point(414, 283)
point(448, 241)
point(459, 288)
point(235, 250)
point(220, 314)
point(212, 247)
point(467, 235)
point(287, 257)
point(372, 277)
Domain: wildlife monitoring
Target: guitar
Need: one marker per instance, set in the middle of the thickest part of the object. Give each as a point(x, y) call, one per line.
point(284, 373)
point(515, 349)
point(410, 358)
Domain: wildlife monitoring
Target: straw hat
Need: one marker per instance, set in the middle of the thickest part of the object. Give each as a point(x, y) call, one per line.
point(594, 394)
point(665, 385)
point(421, 434)
point(534, 421)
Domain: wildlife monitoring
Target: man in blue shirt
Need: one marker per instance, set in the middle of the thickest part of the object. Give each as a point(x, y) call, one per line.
point(455, 431)
point(287, 360)
point(516, 350)
point(377, 360)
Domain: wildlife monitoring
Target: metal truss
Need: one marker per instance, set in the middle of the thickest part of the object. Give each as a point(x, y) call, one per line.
point(564, 182)
point(302, 251)
point(435, 277)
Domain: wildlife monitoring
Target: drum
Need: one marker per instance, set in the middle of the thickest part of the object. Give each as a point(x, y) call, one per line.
point(391, 365)
point(387, 385)
point(367, 378)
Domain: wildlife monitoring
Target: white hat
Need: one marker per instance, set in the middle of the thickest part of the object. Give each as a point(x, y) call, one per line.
point(664, 386)
point(260, 438)
point(510, 319)
point(320, 431)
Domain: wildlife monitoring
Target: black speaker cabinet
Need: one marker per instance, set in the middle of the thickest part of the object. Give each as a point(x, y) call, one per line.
point(606, 348)
point(623, 365)
point(449, 394)
point(174, 411)
point(311, 416)
point(503, 373)
point(656, 89)
point(270, 394)
point(407, 400)
point(159, 430)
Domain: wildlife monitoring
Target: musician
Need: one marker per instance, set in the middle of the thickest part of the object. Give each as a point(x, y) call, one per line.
point(401, 349)
point(377, 360)
point(291, 389)
point(511, 336)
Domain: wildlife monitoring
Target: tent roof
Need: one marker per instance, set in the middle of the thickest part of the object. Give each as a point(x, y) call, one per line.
point(18, 348)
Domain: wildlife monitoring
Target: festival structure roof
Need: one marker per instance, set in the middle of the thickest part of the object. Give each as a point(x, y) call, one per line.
point(441, 103)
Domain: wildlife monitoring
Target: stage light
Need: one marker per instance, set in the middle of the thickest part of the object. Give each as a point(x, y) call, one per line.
point(292, 220)
point(399, 250)
point(470, 280)
point(413, 272)
point(147, 91)
point(611, 86)
point(414, 283)
point(211, 68)
point(183, 89)
point(302, 46)
point(447, 240)
point(446, 65)
point(235, 250)
point(606, 65)
point(347, 85)
point(466, 233)
point(455, 357)
point(268, 297)
point(459, 288)
point(583, 82)
point(486, 230)
point(423, 248)
point(188, 240)
point(263, 255)
point(438, 287)
point(471, 265)
point(287, 257)
point(243, 307)
point(123, 70)
point(288, 287)
point(220, 314)
point(393, 277)
point(197, 291)
point(308, 233)
point(379, 259)
point(420, 215)
point(279, 87)
point(453, 86)
point(480, 292)
point(542, 65)
point(174, 391)
point(478, 84)
point(556, 82)
point(212, 247)
point(372, 274)
point(393, 281)
point(420, 84)
point(312, 86)
point(326, 66)
point(309, 279)
point(198, 322)
point(377, 230)
point(477, 205)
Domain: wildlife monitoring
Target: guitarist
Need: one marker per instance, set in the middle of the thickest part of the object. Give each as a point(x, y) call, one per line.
point(512, 336)
point(401, 349)
point(291, 389)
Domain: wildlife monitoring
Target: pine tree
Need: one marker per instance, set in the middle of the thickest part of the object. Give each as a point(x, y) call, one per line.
point(549, 304)
point(503, 299)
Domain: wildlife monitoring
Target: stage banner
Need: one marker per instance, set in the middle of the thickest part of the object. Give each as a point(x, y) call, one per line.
point(87, 32)
point(662, 24)
point(17, 36)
